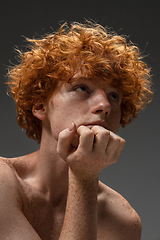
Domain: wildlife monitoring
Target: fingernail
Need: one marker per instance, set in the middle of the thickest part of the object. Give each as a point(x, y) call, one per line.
point(71, 127)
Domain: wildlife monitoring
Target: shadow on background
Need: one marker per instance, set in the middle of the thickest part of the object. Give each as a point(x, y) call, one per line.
point(136, 174)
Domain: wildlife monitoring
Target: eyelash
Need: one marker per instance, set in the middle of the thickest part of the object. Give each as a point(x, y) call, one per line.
point(82, 86)
point(112, 95)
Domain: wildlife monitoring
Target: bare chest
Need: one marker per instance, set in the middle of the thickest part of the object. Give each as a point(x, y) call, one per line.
point(44, 216)
point(47, 218)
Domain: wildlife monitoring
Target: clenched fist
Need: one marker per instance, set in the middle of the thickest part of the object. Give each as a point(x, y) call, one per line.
point(88, 151)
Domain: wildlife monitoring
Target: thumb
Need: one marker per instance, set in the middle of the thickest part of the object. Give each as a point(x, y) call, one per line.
point(65, 138)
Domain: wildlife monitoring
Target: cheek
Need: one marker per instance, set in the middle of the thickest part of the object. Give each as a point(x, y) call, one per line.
point(115, 120)
point(59, 120)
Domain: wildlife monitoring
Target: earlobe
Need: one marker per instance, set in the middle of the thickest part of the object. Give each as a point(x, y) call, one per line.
point(39, 111)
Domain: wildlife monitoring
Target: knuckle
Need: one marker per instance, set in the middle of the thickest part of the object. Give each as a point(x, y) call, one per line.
point(104, 134)
point(85, 131)
point(87, 136)
point(88, 133)
point(61, 135)
point(121, 142)
point(101, 131)
point(117, 139)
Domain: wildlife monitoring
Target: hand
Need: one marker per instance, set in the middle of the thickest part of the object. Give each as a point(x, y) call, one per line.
point(97, 149)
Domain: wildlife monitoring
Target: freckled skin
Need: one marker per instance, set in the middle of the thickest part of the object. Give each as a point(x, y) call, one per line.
point(55, 193)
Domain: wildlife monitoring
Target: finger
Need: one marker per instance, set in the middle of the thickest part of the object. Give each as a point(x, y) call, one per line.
point(75, 141)
point(102, 137)
point(64, 141)
point(86, 138)
point(114, 148)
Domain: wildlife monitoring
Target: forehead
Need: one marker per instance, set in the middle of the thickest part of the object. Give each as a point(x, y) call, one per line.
point(94, 81)
point(98, 80)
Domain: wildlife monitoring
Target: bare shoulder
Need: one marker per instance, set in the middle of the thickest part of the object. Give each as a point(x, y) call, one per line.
point(8, 177)
point(7, 169)
point(117, 216)
point(10, 186)
point(10, 197)
point(13, 223)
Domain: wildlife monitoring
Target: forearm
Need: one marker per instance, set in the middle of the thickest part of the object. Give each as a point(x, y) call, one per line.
point(97, 149)
point(81, 211)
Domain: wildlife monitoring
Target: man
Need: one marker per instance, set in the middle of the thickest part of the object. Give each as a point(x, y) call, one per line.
point(73, 90)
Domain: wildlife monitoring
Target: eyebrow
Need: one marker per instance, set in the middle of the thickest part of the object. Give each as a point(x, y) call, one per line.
point(78, 78)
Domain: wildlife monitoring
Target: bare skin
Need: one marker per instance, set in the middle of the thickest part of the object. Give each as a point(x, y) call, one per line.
point(55, 193)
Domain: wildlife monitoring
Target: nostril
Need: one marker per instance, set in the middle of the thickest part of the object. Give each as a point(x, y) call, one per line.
point(106, 113)
point(97, 111)
point(101, 111)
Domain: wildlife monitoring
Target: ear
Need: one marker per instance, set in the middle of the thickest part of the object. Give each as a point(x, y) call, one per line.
point(39, 111)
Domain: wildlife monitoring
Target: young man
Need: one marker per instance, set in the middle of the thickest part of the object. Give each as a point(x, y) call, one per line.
point(73, 90)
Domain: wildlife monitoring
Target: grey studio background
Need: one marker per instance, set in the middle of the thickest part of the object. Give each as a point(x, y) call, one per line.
point(136, 174)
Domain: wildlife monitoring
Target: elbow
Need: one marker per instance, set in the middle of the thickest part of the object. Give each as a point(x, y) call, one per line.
point(135, 227)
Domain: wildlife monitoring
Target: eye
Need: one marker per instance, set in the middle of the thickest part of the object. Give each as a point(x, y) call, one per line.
point(114, 96)
point(81, 88)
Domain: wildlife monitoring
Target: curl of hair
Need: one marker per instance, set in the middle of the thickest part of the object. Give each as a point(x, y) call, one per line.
point(56, 57)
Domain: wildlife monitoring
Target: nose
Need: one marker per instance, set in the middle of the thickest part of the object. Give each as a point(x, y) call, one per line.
point(100, 103)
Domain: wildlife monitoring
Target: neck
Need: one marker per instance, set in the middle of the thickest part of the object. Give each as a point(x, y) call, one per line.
point(50, 172)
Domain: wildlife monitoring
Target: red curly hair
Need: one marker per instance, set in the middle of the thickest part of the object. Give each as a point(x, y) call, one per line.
point(55, 58)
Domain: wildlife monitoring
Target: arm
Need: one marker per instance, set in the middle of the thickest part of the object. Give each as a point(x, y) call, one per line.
point(81, 211)
point(13, 224)
point(118, 216)
point(97, 149)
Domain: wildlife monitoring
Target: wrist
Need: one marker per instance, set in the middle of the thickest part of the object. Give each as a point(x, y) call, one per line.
point(88, 183)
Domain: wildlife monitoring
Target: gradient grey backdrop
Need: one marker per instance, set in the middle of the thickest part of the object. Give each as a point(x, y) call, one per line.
point(136, 174)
